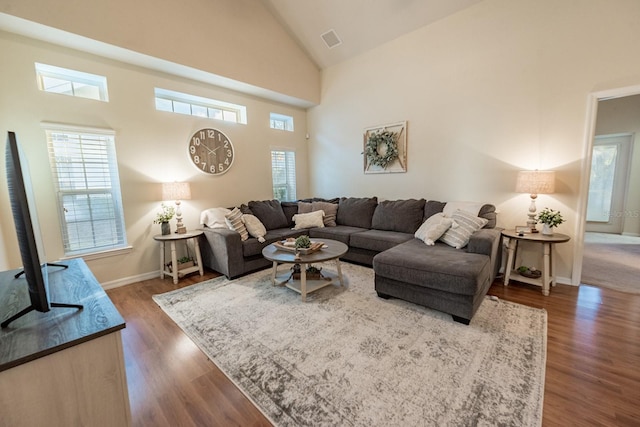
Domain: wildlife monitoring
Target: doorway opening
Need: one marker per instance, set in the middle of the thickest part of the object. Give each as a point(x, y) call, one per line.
point(608, 238)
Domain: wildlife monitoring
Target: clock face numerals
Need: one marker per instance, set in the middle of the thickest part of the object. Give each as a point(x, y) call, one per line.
point(211, 151)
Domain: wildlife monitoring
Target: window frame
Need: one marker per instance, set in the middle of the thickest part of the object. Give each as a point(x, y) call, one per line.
point(287, 122)
point(290, 172)
point(228, 112)
point(106, 136)
point(72, 76)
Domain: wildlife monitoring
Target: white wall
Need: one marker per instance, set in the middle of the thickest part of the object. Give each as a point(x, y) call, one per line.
point(151, 148)
point(496, 88)
point(237, 39)
point(622, 115)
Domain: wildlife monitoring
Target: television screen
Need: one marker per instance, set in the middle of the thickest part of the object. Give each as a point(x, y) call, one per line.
point(25, 218)
point(26, 222)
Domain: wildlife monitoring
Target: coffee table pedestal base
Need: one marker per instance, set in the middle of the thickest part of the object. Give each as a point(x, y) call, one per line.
point(305, 286)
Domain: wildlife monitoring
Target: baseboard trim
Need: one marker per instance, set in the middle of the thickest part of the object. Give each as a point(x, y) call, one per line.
point(129, 280)
point(564, 281)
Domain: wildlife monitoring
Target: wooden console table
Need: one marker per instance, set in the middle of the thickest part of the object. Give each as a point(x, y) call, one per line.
point(64, 367)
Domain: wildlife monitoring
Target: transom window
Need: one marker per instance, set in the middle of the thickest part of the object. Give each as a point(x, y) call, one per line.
point(85, 172)
point(283, 173)
point(71, 82)
point(281, 122)
point(192, 105)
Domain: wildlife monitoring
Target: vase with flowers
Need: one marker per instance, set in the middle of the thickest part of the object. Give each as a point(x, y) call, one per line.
point(163, 218)
point(549, 219)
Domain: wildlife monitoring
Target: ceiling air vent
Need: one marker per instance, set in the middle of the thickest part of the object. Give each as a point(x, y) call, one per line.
point(331, 39)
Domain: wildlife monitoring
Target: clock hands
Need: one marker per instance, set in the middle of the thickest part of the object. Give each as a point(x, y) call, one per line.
point(210, 150)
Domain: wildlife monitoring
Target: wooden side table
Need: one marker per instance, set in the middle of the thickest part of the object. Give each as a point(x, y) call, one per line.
point(173, 238)
point(548, 260)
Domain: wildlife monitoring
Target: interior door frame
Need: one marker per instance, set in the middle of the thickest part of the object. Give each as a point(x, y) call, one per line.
point(583, 195)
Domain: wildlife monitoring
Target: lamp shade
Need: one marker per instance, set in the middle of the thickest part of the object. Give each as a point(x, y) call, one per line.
point(176, 191)
point(536, 182)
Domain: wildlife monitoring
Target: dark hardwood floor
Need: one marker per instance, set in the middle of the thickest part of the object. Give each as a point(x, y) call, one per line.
point(592, 376)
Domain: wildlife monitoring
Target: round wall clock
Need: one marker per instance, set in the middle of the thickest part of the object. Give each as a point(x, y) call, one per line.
point(211, 151)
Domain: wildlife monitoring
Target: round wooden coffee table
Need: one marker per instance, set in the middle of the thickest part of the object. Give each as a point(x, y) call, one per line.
point(332, 250)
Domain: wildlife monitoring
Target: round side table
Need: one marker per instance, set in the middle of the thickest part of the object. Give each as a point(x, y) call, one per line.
point(547, 243)
point(172, 239)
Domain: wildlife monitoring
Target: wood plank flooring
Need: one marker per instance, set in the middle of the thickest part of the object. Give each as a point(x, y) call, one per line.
point(592, 376)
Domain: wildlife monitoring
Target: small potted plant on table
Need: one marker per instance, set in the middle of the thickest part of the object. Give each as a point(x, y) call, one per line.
point(549, 219)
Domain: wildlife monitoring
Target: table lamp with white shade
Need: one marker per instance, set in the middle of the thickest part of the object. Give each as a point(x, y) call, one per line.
point(535, 182)
point(177, 191)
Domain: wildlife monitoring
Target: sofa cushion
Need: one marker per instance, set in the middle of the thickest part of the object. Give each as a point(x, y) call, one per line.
point(289, 209)
point(270, 213)
point(433, 228)
point(433, 207)
point(308, 220)
point(438, 267)
point(489, 213)
point(330, 211)
point(356, 212)
point(234, 220)
point(404, 216)
point(341, 233)
point(458, 237)
point(378, 240)
point(252, 247)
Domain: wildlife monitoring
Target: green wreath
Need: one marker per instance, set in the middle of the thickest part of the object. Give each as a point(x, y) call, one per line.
point(377, 139)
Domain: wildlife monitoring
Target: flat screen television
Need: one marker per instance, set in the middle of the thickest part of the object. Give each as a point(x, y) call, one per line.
point(28, 231)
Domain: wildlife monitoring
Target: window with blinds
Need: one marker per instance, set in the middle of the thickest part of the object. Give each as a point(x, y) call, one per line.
point(86, 181)
point(283, 172)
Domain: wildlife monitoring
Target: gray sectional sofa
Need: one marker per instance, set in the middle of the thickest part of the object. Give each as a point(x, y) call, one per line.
point(379, 235)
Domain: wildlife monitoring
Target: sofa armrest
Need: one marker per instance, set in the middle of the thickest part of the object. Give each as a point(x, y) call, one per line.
point(222, 251)
point(488, 241)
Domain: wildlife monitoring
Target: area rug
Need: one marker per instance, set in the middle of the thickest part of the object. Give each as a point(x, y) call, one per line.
point(349, 358)
point(612, 265)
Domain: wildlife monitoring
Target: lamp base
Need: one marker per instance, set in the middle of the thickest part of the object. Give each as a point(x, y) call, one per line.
point(183, 230)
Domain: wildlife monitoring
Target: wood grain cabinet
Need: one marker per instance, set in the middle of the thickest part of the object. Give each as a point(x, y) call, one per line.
point(64, 367)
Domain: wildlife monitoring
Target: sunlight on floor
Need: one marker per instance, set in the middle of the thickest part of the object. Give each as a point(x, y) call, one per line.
point(184, 346)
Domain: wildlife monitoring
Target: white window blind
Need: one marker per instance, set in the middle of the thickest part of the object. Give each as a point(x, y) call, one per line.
point(86, 178)
point(283, 172)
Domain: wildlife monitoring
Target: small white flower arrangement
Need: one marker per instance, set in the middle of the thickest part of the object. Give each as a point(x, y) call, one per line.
point(550, 217)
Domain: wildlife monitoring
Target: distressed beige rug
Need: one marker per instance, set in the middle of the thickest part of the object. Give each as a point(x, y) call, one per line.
point(349, 358)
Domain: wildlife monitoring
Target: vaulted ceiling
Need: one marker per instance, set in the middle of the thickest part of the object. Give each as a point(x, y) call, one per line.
point(360, 25)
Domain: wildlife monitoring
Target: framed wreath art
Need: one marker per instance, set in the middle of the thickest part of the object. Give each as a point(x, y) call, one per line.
point(385, 148)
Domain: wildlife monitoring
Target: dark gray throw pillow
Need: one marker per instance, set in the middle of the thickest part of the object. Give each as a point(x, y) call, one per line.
point(270, 213)
point(433, 207)
point(488, 211)
point(356, 212)
point(404, 216)
point(289, 209)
